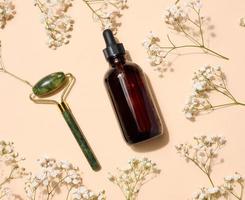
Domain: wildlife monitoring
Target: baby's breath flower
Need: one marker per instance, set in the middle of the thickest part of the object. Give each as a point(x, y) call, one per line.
point(154, 51)
point(130, 179)
point(7, 12)
point(206, 80)
point(57, 23)
point(10, 160)
point(176, 15)
point(83, 193)
point(156, 55)
point(54, 175)
point(185, 19)
point(233, 181)
point(213, 193)
point(107, 12)
point(202, 152)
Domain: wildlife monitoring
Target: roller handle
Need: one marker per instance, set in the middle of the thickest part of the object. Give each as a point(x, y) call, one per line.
point(79, 136)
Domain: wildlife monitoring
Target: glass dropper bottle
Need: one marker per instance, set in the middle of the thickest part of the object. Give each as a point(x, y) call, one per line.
point(130, 94)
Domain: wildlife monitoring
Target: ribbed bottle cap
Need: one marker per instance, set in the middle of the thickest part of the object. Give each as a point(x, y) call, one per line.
point(113, 48)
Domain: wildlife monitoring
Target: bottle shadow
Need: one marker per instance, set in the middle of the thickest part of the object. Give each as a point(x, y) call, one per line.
point(17, 197)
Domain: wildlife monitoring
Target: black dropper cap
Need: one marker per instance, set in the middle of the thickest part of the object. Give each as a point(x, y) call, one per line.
point(113, 49)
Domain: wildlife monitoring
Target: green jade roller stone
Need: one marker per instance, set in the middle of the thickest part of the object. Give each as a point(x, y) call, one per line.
point(51, 85)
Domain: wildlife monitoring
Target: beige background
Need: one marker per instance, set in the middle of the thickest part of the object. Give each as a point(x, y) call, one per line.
point(40, 129)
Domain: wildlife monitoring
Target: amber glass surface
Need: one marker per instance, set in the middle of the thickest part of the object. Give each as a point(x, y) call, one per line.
point(132, 101)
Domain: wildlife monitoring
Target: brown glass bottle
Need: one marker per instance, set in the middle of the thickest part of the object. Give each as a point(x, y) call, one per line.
point(130, 95)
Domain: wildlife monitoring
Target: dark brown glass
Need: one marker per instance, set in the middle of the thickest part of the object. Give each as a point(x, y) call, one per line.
point(132, 101)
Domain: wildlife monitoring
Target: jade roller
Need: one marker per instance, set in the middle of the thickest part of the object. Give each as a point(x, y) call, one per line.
point(52, 85)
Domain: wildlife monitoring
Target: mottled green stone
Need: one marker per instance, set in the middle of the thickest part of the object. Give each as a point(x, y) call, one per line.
point(49, 84)
point(79, 136)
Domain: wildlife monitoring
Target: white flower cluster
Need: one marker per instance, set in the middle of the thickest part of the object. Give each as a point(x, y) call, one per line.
point(227, 190)
point(178, 14)
point(203, 151)
point(205, 80)
point(153, 49)
point(214, 193)
point(185, 19)
point(11, 160)
point(231, 182)
point(7, 12)
point(83, 193)
point(108, 12)
point(155, 54)
point(6, 193)
point(54, 175)
point(131, 179)
point(57, 23)
point(52, 172)
point(7, 152)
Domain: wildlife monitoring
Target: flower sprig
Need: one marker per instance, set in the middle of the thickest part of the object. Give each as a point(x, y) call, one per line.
point(242, 22)
point(7, 12)
point(185, 19)
point(55, 175)
point(206, 80)
point(106, 12)
point(130, 180)
point(10, 160)
point(57, 23)
point(202, 153)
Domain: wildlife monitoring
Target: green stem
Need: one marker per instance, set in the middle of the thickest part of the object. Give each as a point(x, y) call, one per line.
point(236, 196)
point(57, 184)
point(242, 188)
point(192, 39)
point(193, 46)
point(226, 89)
point(227, 105)
point(193, 22)
point(68, 194)
point(5, 181)
point(94, 12)
point(94, 1)
point(176, 2)
point(48, 193)
point(210, 179)
point(206, 173)
point(200, 28)
point(214, 52)
point(9, 177)
point(3, 195)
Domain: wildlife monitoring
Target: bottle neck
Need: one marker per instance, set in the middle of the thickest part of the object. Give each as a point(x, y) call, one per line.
point(117, 61)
